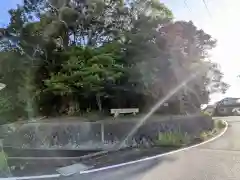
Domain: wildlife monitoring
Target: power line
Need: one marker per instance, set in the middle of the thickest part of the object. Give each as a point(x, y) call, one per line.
point(205, 4)
point(185, 3)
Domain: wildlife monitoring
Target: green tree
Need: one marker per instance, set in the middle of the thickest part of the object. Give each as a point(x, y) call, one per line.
point(87, 71)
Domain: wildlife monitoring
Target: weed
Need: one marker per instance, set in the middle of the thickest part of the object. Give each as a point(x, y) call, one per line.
point(4, 169)
point(205, 135)
point(172, 139)
point(218, 125)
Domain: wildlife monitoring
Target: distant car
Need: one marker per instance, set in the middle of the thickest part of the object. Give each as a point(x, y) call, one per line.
point(228, 107)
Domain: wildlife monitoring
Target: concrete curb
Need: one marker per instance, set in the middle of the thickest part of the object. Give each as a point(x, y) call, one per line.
point(123, 164)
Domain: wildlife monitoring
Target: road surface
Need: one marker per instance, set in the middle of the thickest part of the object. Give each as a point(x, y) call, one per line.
point(217, 160)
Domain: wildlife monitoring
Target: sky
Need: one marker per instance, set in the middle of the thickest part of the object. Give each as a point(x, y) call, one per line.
point(5, 6)
point(220, 20)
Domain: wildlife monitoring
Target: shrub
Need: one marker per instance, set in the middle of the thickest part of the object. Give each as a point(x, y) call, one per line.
point(172, 139)
point(207, 113)
point(205, 135)
point(219, 124)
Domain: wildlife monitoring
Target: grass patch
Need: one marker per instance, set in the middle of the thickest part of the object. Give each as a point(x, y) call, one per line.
point(205, 135)
point(175, 139)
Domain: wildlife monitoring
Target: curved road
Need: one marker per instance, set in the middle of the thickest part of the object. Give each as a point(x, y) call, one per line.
point(217, 160)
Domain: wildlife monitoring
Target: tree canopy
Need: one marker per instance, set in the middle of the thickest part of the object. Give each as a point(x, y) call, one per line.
point(70, 57)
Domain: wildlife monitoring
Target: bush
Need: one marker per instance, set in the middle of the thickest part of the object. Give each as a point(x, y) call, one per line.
point(219, 124)
point(205, 135)
point(207, 113)
point(172, 139)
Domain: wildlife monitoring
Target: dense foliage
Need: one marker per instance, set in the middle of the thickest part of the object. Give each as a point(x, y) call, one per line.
point(69, 57)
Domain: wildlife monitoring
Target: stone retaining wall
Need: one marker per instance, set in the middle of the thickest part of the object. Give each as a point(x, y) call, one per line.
point(102, 134)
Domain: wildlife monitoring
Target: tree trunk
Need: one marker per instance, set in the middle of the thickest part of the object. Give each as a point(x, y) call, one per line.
point(99, 102)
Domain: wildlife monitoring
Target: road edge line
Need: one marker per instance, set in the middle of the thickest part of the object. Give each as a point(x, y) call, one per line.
point(157, 156)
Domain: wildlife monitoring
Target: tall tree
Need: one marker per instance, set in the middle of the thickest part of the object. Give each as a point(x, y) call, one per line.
point(80, 53)
point(86, 72)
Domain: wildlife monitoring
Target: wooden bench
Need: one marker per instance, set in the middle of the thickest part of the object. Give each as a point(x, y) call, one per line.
point(116, 112)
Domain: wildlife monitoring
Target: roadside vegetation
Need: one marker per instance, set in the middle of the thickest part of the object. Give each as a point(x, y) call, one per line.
point(219, 125)
point(179, 139)
point(76, 57)
point(4, 169)
point(172, 139)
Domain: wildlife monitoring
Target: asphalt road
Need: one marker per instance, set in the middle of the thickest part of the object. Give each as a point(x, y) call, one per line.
point(217, 160)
